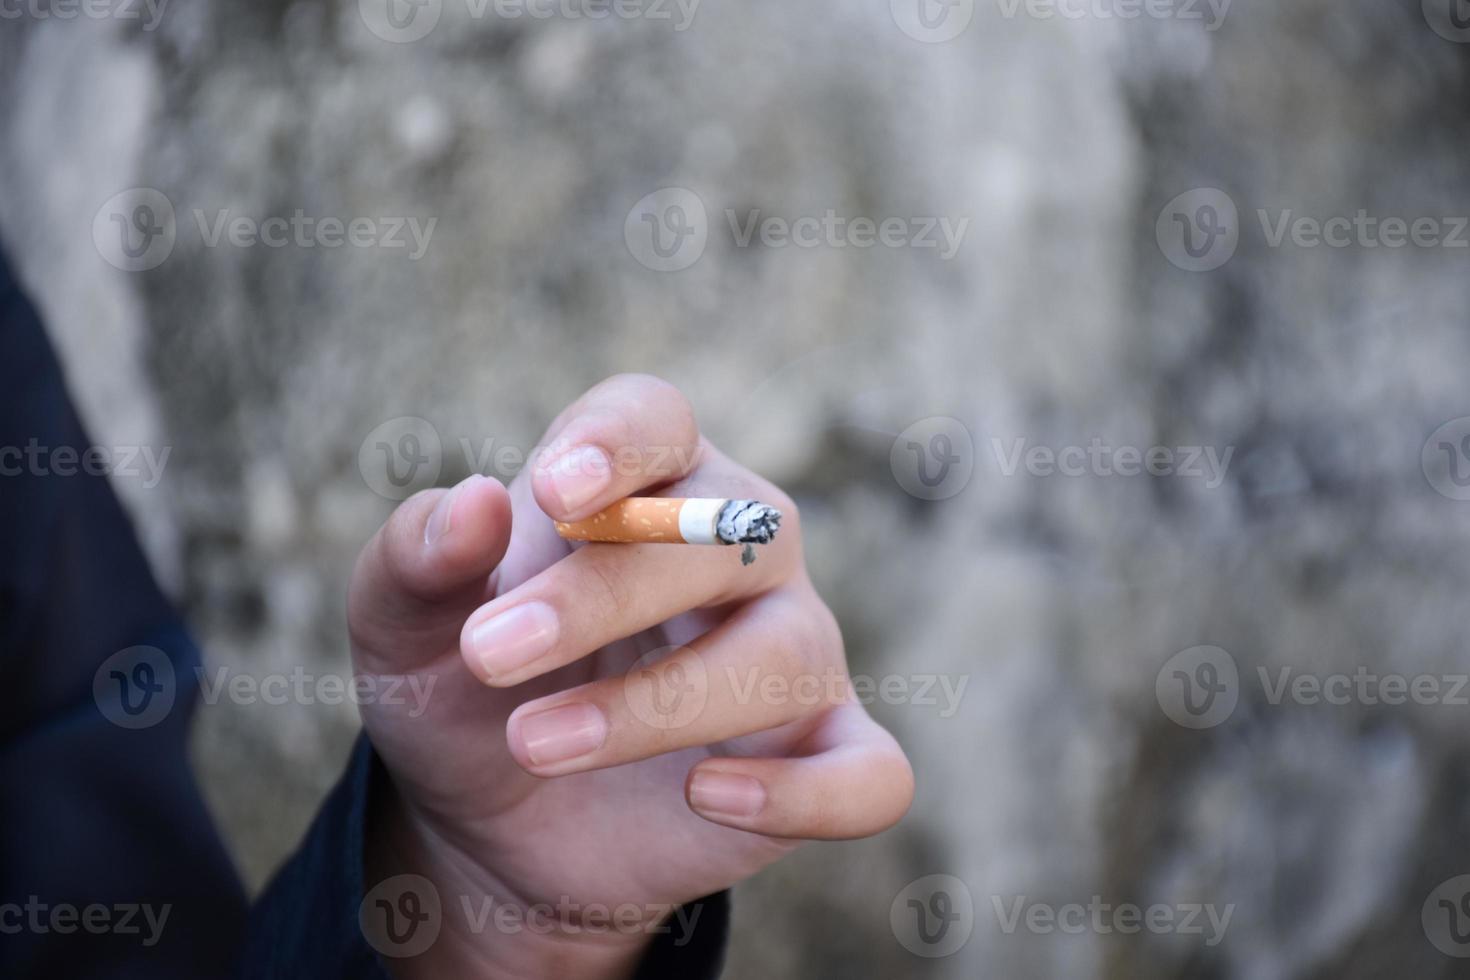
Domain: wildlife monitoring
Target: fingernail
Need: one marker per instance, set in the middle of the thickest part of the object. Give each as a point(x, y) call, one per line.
point(514, 638)
point(726, 794)
point(579, 475)
point(562, 733)
point(439, 520)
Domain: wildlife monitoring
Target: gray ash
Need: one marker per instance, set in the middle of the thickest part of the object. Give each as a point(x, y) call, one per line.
point(748, 522)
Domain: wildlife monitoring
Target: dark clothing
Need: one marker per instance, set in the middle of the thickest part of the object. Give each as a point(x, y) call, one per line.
point(109, 863)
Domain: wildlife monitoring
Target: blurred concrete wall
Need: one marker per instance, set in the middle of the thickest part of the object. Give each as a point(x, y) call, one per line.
point(1070, 312)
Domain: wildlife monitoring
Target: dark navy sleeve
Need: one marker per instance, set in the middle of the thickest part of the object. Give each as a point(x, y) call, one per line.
point(109, 863)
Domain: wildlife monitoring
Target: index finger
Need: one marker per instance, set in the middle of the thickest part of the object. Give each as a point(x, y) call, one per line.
point(629, 433)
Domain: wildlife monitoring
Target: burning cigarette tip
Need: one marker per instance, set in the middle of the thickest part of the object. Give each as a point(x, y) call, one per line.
point(748, 522)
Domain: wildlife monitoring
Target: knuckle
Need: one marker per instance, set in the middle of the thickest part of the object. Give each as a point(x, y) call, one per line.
point(649, 385)
point(670, 402)
point(807, 643)
point(613, 431)
point(607, 587)
point(830, 645)
point(897, 775)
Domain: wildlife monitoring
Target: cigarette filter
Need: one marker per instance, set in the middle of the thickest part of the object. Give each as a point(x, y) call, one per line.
point(662, 520)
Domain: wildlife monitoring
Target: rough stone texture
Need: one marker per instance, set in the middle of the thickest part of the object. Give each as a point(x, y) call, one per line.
point(1059, 320)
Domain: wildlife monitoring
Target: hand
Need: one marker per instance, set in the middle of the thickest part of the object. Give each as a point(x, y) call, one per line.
point(542, 772)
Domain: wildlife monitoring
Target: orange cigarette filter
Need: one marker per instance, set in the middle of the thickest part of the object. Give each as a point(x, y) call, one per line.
point(670, 520)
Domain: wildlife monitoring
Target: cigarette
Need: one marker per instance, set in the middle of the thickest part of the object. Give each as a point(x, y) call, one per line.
point(663, 520)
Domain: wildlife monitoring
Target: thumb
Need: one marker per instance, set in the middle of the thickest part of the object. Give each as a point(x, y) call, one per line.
point(424, 572)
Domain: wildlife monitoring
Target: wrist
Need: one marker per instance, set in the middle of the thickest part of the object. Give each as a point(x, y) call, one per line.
point(480, 927)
